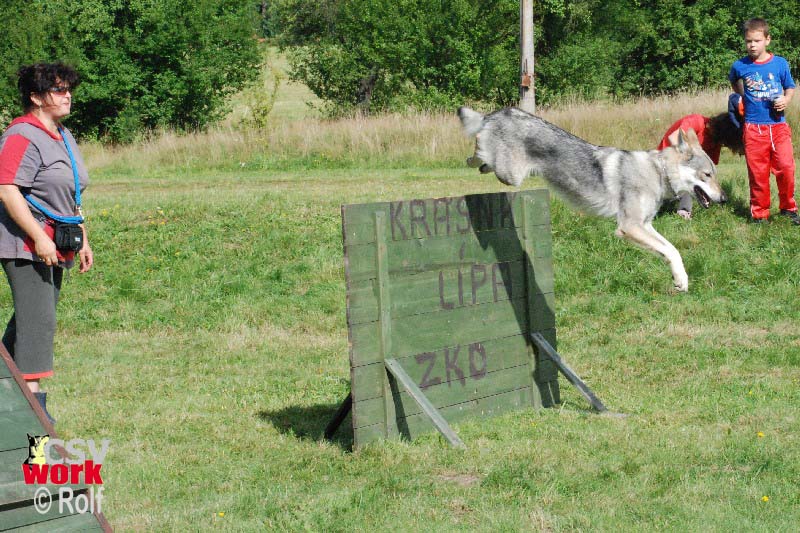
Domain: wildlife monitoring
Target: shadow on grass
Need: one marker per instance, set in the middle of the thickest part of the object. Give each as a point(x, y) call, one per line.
point(309, 423)
point(740, 206)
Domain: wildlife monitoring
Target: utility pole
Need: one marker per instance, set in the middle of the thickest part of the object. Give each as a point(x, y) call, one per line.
point(527, 97)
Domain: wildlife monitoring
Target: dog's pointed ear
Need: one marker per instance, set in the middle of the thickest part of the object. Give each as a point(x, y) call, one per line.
point(681, 141)
point(691, 136)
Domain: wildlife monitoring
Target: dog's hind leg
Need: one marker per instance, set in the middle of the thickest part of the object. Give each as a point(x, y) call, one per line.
point(648, 238)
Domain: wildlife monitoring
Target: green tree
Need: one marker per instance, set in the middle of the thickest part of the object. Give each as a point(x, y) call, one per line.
point(144, 63)
point(375, 55)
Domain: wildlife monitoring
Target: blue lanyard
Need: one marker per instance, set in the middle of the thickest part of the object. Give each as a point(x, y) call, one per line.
point(59, 218)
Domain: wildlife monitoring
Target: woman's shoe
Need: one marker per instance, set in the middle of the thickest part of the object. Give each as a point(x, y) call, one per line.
point(42, 398)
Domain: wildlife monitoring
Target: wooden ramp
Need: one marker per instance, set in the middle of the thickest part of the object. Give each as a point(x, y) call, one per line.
point(20, 414)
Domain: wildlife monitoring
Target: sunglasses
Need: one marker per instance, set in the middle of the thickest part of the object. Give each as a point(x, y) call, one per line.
point(59, 90)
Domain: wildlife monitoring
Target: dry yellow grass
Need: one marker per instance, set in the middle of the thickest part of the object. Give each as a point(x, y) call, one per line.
point(391, 140)
point(388, 138)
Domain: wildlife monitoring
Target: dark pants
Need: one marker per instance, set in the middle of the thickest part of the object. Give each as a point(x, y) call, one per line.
point(30, 332)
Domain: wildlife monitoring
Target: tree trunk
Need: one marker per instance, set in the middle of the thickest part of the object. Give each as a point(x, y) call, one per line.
point(364, 94)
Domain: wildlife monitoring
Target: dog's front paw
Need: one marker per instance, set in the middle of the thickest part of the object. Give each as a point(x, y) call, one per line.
point(474, 162)
point(681, 285)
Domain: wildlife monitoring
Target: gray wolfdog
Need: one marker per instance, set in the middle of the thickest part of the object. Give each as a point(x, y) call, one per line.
point(605, 181)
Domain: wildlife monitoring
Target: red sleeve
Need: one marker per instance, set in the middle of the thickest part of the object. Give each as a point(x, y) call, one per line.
point(665, 139)
point(695, 122)
point(11, 157)
point(698, 124)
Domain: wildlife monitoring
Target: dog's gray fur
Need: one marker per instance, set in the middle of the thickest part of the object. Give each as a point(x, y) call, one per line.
point(630, 186)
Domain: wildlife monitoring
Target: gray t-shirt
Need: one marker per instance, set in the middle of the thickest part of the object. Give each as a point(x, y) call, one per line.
point(38, 163)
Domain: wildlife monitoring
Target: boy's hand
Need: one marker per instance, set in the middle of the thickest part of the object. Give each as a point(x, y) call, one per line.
point(779, 104)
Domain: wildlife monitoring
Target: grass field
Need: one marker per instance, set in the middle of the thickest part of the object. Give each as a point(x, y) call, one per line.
point(209, 343)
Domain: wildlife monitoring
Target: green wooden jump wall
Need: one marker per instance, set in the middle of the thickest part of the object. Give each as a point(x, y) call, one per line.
point(451, 289)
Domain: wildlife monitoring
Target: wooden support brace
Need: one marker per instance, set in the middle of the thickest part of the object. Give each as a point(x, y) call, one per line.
point(571, 376)
point(427, 407)
point(339, 416)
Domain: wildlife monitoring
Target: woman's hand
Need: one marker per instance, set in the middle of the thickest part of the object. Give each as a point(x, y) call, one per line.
point(17, 208)
point(45, 248)
point(87, 259)
point(85, 255)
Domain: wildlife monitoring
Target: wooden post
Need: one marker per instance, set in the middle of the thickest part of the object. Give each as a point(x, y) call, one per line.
point(527, 244)
point(527, 99)
point(385, 320)
point(339, 416)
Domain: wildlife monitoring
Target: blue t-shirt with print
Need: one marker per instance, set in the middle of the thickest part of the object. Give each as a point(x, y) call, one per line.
point(763, 82)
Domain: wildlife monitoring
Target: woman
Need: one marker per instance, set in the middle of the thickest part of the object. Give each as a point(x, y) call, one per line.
point(713, 133)
point(37, 168)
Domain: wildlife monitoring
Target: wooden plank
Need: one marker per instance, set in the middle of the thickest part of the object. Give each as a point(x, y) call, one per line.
point(549, 392)
point(437, 253)
point(28, 515)
point(423, 403)
point(11, 397)
point(441, 290)
point(466, 325)
point(542, 311)
point(12, 480)
point(385, 322)
point(434, 367)
point(442, 217)
point(538, 312)
point(8, 427)
point(67, 524)
point(14, 425)
point(445, 394)
point(419, 424)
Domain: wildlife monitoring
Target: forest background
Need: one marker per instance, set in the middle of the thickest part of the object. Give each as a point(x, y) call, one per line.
point(168, 64)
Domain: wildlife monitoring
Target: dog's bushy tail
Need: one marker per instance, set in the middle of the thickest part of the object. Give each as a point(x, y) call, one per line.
point(471, 121)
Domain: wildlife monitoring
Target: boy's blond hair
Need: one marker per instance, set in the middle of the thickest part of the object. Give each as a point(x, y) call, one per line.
point(756, 24)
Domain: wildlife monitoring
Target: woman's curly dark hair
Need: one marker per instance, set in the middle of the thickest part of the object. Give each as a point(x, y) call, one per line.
point(39, 78)
point(725, 132)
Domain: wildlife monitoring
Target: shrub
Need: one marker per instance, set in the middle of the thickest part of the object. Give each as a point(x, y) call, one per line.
point(374, 55)
point(144, 64)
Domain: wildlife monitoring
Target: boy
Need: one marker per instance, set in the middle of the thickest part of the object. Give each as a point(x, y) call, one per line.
point(713, 133)
point(766, 84)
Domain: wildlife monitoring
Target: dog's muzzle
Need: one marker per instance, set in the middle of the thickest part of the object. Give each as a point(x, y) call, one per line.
point(704, 200)
point(702, 197)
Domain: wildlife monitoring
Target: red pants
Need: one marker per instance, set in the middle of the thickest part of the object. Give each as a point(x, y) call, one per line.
point(769, 147)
